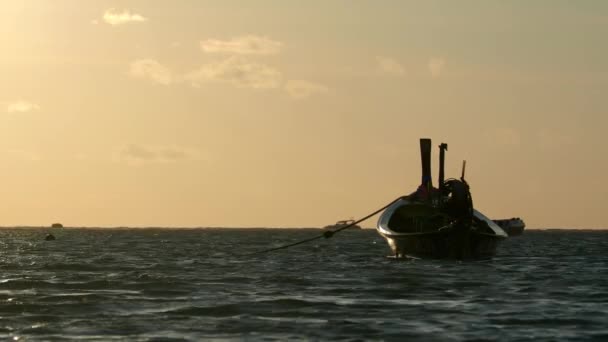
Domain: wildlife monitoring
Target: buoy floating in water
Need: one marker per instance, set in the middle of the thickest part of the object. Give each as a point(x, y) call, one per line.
point(49, 237)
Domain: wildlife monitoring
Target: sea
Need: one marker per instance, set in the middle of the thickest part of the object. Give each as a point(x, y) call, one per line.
point(217, 284)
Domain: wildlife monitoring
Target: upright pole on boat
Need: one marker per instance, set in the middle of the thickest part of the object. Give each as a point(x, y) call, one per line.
point(464, 166)
point(442, 148)
point(425, 156)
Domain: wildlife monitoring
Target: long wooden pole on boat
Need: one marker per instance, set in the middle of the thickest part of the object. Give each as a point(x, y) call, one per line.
point(442, 148)
point(425, 157)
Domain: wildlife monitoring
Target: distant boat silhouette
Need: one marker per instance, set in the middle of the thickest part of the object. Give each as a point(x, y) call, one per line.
point(56, 225)
point(343, 223)
point(513, 226)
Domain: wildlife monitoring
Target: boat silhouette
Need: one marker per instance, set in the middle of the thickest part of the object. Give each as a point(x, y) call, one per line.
point(343, 223)
point(513, 226)
point(439, 222)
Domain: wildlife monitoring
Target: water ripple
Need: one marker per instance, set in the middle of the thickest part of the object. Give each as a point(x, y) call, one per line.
point(189, 285)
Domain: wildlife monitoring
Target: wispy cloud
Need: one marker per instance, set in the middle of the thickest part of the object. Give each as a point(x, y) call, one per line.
point(299, 89)
point(137, 154)
point(115, 18)
point(21, 107)
point(239, 72)
point(245, 45)
point(390, 66)
point(436, 66)
point(152, 70)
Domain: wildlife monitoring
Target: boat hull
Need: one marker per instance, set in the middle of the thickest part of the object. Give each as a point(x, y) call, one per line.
point(478, 241)
point(515, 231)
point(443, 245)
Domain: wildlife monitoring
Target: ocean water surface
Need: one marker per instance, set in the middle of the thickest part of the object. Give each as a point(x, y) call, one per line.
point(202, 284)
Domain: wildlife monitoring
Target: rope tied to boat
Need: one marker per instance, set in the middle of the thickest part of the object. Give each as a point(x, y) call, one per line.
point(327, 234)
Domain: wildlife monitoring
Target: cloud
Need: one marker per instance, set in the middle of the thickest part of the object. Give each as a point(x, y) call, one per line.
point(299, 89)
point(234, 70)
point(115, 18)
point(436, 66)
point(152, 70)
point(239, 72)
point(137, 154)
point(245, 45)
point(388, 65)
point(21, 107)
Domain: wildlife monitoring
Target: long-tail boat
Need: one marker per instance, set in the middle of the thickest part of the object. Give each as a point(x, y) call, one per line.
point(439, 222)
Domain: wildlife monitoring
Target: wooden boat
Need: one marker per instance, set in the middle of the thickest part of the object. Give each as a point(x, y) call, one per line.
point(439, 222)
point(343, 223)
point(513, 226)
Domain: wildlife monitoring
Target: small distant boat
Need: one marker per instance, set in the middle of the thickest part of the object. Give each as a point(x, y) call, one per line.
point(56, 225)
point(513, 226)
point(439, 222)
point(343, 223)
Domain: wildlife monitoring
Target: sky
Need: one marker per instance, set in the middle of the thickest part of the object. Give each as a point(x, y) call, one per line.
point(277, 113)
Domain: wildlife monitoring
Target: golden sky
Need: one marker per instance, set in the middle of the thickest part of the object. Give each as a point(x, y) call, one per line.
point(278, 113)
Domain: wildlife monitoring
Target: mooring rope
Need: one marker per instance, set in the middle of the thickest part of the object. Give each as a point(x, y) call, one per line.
point(326, 234)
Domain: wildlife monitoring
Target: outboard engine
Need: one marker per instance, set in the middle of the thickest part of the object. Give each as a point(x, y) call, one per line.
point(459, 203)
